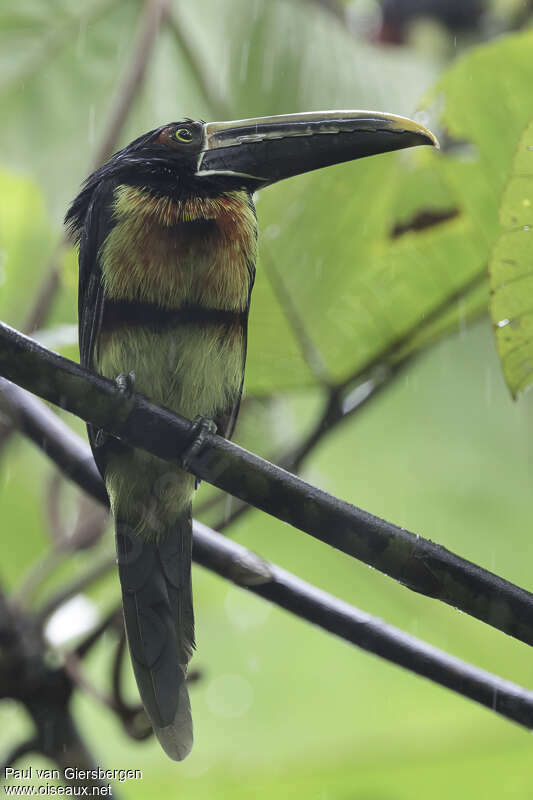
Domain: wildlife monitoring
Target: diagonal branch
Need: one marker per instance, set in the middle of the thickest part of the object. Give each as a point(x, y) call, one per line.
point(233, 561)
point(310, 353)
point(415, 562)
point(45, 690)
point(212, 97)
point(249, 571)
point(149, 25)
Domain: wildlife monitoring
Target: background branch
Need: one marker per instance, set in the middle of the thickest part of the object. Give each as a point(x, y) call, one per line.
point(127, 91)
point(26, 675)
point(213, 99)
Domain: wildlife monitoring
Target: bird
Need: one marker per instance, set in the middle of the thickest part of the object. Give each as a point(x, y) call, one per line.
point(167, 235)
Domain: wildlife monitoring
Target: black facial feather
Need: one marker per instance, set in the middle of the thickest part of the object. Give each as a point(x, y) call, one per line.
point(156, 162)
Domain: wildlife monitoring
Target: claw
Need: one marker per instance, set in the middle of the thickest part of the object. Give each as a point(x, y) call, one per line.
point(201, 427)
point(126, 383)
point(100, 438)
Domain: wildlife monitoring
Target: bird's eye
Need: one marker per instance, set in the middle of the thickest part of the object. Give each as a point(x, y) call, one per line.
point(183, 135)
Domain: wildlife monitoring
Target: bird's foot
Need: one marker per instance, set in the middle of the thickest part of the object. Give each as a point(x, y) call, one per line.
point(126, 383)
point(100, 438)
point(201, 427)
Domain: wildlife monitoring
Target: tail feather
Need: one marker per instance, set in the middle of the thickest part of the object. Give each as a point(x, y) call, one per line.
point(156, 590)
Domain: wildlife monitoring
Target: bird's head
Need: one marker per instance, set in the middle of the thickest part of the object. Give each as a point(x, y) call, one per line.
point(195, 158)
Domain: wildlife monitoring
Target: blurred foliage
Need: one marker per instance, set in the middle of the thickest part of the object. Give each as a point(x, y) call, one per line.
point(348, 277)
point(512, 271)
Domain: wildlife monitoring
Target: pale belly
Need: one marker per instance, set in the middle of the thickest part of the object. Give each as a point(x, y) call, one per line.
point(192, 370)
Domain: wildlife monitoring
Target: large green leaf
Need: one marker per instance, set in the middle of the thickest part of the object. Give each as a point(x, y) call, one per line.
point(360, 293)
point(511, 271)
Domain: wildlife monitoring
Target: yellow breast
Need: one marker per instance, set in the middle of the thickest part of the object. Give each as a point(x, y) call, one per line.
point(173, 253)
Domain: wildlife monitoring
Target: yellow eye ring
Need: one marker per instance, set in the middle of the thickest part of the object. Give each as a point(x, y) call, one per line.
point(183, 135)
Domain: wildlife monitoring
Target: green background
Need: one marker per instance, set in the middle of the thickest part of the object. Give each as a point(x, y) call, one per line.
point(283, 709)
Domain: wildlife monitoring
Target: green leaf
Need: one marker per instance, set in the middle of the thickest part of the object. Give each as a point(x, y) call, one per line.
point(361, 293)
point(511, 272)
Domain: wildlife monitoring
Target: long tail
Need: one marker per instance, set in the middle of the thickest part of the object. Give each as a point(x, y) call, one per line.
point(156, 589)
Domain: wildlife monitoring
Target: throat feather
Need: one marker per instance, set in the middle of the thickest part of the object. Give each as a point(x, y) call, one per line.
point(199, 251)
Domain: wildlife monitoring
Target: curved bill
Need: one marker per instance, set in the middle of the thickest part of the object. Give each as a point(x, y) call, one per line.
point(268, 149)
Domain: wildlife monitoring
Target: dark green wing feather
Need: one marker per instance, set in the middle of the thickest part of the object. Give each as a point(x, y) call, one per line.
point(92, 224)
point(96, 227)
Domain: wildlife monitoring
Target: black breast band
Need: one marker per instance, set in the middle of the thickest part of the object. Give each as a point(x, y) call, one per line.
point(119, 313)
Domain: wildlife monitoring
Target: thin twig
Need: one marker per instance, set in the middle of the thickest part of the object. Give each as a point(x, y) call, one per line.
point(35, 575)
point(47, 291)
point(132, 715)
point(56, 527)
point(112, 620)
point(142, 51)
point(31, 418)
point(310, 353)
point(417, 563)
point(96, 572)
point(74, 670)
point(213, 99)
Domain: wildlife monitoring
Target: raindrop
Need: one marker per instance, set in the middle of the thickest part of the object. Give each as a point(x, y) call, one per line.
point(245, 52)
point(488, 386)
point(229, 696)
point(7, 472)
point(422, 117)
point(90, 134)
point(268, 71)
point(227, 507)
point(197, 764)
point(82, 37)
point(253, 664)
point(272, 232)
point(245, 611)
